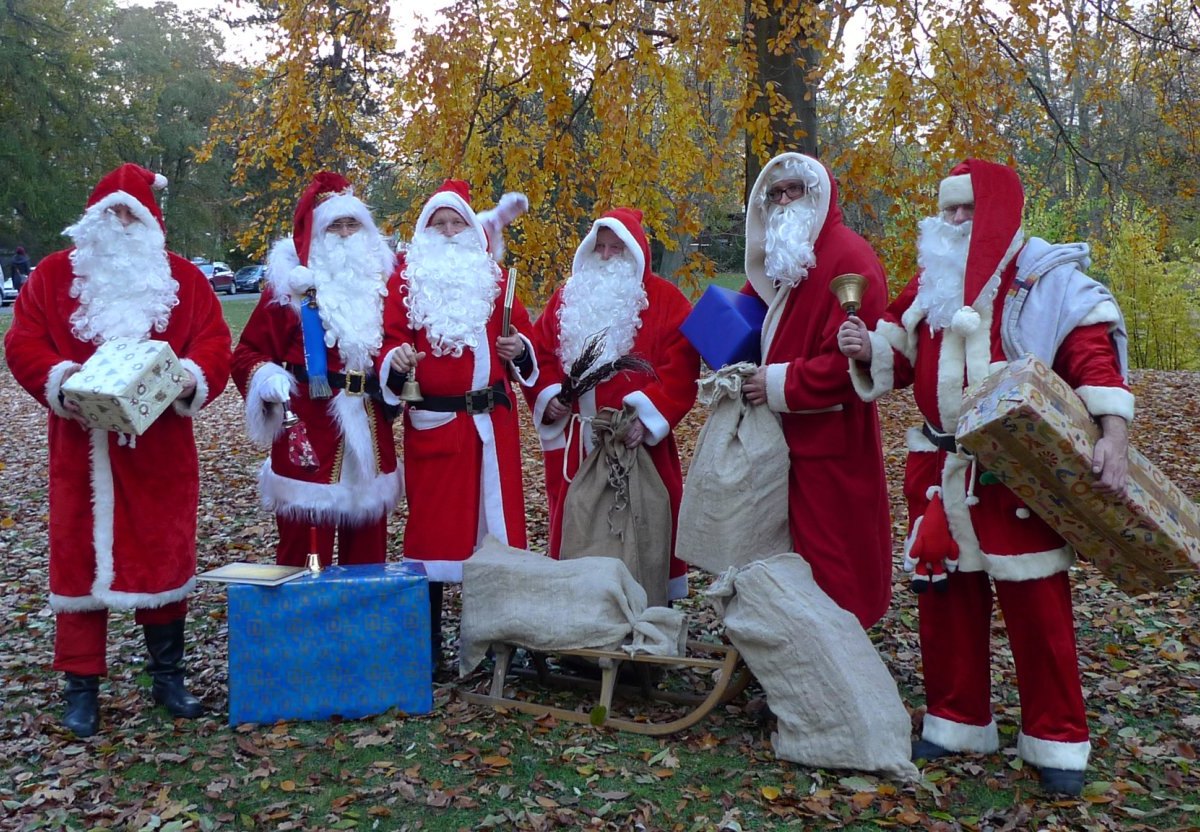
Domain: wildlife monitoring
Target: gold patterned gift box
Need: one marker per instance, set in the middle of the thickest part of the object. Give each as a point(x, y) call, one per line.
point(126, 384)
point(1027, 426)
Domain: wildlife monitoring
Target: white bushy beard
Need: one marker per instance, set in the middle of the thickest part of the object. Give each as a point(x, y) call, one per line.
point(122, 279)
point(789, 241)
point(601, 294)
point(452, 289)
point(351, 285)
point(942, 249)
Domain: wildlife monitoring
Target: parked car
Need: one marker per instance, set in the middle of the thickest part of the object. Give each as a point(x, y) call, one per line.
point(250, 278)
point(220, 277)
point(10, 292)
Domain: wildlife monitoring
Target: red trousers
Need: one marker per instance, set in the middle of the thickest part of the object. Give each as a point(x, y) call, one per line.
point(356, 544)
point(956, 651)
point(80, 638)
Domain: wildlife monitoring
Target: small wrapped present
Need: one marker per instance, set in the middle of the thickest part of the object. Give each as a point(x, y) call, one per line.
point(1027, 425)
point(126, 384)
point(350, 641)
point(726, 327)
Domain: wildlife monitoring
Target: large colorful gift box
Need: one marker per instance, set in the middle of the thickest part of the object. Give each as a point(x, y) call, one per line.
point(726, 327)
point(1027, 426)
point(126, 384)
point(350, 641)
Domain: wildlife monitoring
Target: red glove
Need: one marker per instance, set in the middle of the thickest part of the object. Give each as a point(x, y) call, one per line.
point(932, 552)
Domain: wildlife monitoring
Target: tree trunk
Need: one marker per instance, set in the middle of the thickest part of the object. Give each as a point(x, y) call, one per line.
point(788, 74)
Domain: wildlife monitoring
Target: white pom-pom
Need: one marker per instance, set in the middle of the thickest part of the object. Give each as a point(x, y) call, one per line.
point(160, 182)
point(300, 280)
point(972, 500)
point(1023, 513)
point(932, 491)
point(965, 321)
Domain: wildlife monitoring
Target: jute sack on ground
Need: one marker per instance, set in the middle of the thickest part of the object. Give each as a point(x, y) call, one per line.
point(836, 704)
point(735, 500)
point(618, 507)
point(517, 597)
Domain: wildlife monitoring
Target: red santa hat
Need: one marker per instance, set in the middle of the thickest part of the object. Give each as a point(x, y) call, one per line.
point(489, 225)
point(132, 186)
point(626, 223)
point(327, 198)
point(996, 234)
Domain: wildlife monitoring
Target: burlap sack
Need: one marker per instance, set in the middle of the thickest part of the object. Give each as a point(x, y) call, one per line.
point(836, 704)
point(735, 500)
point(516, 597)
point(618, 507)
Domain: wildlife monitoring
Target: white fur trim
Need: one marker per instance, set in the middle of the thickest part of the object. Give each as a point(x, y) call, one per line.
point(281, 259)
point(160, 182)
point(551, 435)
point(328, 503)
point(588, 245)
point(656, 424)
point(131, 202)
point(878, 378)
point(1105, 312)
point(516, 371)
point(776, 381)
point(756, 227)
point(1029, 567)
point(915, 441)
point(449, 199)
point(1070, 756)
point(1107, 401)
point(385, 373)
point(677, 588)
point(932, 491)
point(443, 571)
point(958, 736)
point(910, 563)
point(901, 340)
point(54, 383)
point(358, 460)
point(955, 190)
point(264, 420)
point(75, 603)
point(199, 397)
point(344, 204)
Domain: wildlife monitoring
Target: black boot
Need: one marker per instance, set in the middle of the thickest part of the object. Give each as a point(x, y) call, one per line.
point(923, 749)
point(165, 644)
point(1061, 781)
point(82, 715)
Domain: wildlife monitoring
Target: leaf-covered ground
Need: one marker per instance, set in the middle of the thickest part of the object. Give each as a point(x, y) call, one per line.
point(465, 768)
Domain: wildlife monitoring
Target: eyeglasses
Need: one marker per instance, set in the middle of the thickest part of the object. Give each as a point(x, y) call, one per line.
point(793, 191)
point(344, 224)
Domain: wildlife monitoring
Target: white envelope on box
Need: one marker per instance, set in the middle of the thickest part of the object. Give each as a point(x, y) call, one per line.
point(126, 384)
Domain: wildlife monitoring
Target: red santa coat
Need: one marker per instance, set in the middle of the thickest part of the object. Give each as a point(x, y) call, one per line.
point(122, 516)
point(356, 479)
point(661, 402)
point(837, 492)
point(994, 530)
point(462, 471)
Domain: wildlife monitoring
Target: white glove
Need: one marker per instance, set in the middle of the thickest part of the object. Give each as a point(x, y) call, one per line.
point(276, 388)
point(300, 280)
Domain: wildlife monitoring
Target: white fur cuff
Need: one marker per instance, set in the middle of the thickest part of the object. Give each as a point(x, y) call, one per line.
point(264, 420)
point(551, 435)
point(958, 736)
point(1071, 756)
point(385, 372)
point(199, 397)
point(880, 376)
point(516, 371)
point(54, 383)
point(1107, 401)
point(656, 424)
point(776, 380)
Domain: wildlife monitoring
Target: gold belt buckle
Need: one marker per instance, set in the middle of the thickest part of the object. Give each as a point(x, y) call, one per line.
point(356, 383)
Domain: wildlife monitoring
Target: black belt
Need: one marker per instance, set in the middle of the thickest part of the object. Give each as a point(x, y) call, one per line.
point(943, 441)
point(483, 400)
point(355, 384)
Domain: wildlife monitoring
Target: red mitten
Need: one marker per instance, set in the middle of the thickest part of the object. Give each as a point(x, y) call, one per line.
point(931, 552)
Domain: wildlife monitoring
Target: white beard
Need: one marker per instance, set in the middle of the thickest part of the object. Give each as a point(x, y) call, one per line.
point(789, 241)
point(452, 290)
point(122, 279)
point(350, 292)
point(942, 256)
point(601, 295)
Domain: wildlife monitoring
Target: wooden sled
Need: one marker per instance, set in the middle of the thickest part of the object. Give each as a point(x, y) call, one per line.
point(730, 678)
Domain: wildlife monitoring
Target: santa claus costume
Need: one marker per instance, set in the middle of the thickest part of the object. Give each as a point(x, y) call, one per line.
point(462, 450)
point(639, 314)
point(984, 297)
point(122, 509)
point(837, 493)
point(326, 374)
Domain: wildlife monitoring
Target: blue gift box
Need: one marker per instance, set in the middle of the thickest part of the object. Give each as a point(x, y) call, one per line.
point(351, 641)
point(726, 326)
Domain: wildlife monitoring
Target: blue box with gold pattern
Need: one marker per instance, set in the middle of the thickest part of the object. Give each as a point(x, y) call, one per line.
point(351, 641)
point(725, 327)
